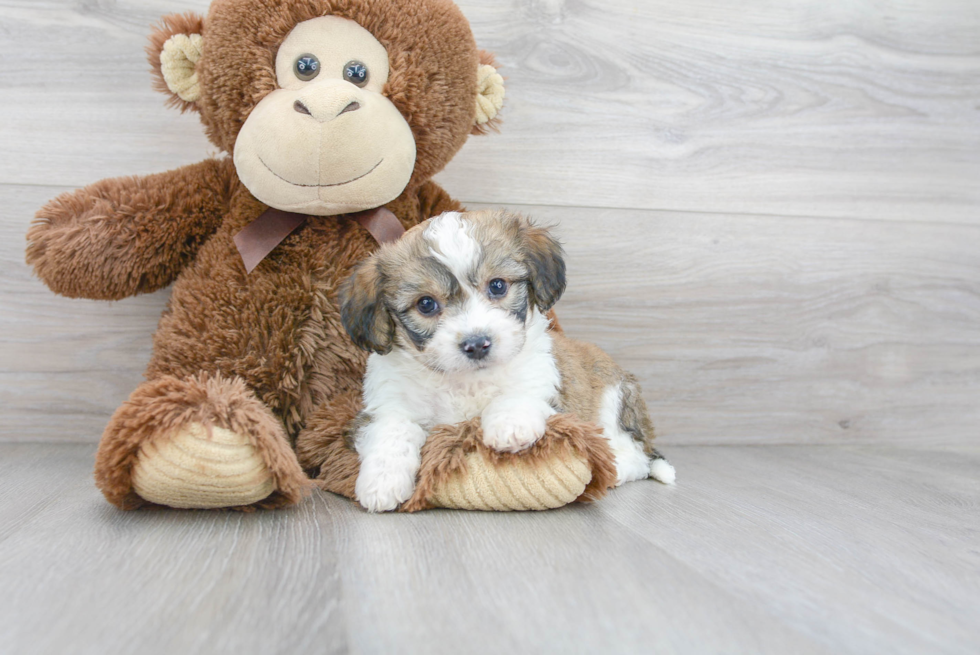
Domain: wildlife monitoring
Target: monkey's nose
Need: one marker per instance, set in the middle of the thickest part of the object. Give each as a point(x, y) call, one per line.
point(353, 106)
point(301, 108)
point(476, 347)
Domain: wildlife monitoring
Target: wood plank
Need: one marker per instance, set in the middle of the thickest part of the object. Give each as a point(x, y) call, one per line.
point(750, 329)
point(864, 549)
point(442, 582)
point(79, 575)
point(568, 581)
point(861, 109)
point(758, 549)
point(76, 103)
point(741, 329)
point(857, 109)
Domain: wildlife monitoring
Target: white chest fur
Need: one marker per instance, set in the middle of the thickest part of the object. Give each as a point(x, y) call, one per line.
point(397, 384)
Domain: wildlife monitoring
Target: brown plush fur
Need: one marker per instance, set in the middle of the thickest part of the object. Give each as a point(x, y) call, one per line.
point(273, 335)
point(130, 235)
point(259, 353)
point(444, 452)
point(431, 50)
point(158, 408)
point(326, 451)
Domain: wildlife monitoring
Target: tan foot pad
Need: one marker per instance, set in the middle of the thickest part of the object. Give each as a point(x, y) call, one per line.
point(194, 470)
point(515, 485)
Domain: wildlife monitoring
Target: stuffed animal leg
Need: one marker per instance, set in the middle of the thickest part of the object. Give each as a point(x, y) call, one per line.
point(571, 462)
point(328, 111)
point(199, 440)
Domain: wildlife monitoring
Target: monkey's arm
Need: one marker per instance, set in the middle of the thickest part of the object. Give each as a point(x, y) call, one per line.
point(434, 201)
point(129, 235)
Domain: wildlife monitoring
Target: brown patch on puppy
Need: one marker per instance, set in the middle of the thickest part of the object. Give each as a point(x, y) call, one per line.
point(514, 240)
point(362, 309)
point(544, 258)
point(377, 302)
point(586, 372)
point(634, 417)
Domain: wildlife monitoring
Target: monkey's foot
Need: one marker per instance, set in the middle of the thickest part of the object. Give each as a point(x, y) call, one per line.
point(194, 469)
point(202, 442)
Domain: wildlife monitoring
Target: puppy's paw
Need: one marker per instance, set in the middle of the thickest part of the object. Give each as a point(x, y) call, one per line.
point(384, 484)
point(514, 428)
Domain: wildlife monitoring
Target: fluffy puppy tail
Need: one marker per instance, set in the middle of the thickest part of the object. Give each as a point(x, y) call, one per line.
point(661, 469)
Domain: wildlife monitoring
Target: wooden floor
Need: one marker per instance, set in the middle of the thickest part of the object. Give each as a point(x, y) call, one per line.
point(758, 549)
point(772, 216)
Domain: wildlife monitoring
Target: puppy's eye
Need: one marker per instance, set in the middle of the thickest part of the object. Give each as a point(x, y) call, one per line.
point(497, 288)
point(356, 73)
point(307, 67)
point(427, 306)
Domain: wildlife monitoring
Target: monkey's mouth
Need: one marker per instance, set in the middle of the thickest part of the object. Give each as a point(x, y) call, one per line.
point(321, 186)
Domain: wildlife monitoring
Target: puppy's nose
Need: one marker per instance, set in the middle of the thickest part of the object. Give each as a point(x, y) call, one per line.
point(476, 347)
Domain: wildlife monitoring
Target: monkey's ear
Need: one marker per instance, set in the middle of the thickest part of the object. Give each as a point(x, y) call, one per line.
point(362, 309)
point(546, 265)
point(489, 94)
point(174, 51)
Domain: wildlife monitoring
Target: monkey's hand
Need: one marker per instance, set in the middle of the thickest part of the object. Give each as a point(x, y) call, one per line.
point(129, 235)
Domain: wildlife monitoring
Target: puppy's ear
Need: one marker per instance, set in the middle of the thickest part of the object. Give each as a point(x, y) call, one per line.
point(546, 265)
point(362, 309)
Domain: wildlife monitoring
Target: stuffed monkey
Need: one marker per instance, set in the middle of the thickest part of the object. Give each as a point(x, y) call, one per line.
point(334, 115)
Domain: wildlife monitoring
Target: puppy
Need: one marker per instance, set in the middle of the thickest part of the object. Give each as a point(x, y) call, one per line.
point(453, 313)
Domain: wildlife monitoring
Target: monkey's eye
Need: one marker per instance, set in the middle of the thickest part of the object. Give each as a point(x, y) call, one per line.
point(356, 73)
point(497, 288)
point(427, 306)
point(307, 67)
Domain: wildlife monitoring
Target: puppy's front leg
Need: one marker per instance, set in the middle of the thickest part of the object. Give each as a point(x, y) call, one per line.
point(389, 450)
point(513, 423)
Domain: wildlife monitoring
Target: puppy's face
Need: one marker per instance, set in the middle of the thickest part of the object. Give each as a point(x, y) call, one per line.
point(455, 292)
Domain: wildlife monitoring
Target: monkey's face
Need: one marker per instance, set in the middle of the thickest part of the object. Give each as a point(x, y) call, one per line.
point(327, 141)
point(330, 107)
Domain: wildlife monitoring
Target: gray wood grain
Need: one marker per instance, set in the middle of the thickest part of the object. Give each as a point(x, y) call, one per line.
point(809, 325)
point(742, 329)
point(759, 549)
point(849, 109)
point(859, 109)
point(80, 576)
point(890, 531)
point(65, 364)
point(770, 330)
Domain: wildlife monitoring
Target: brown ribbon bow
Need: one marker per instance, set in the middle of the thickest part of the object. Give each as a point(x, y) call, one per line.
point(261, 236)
